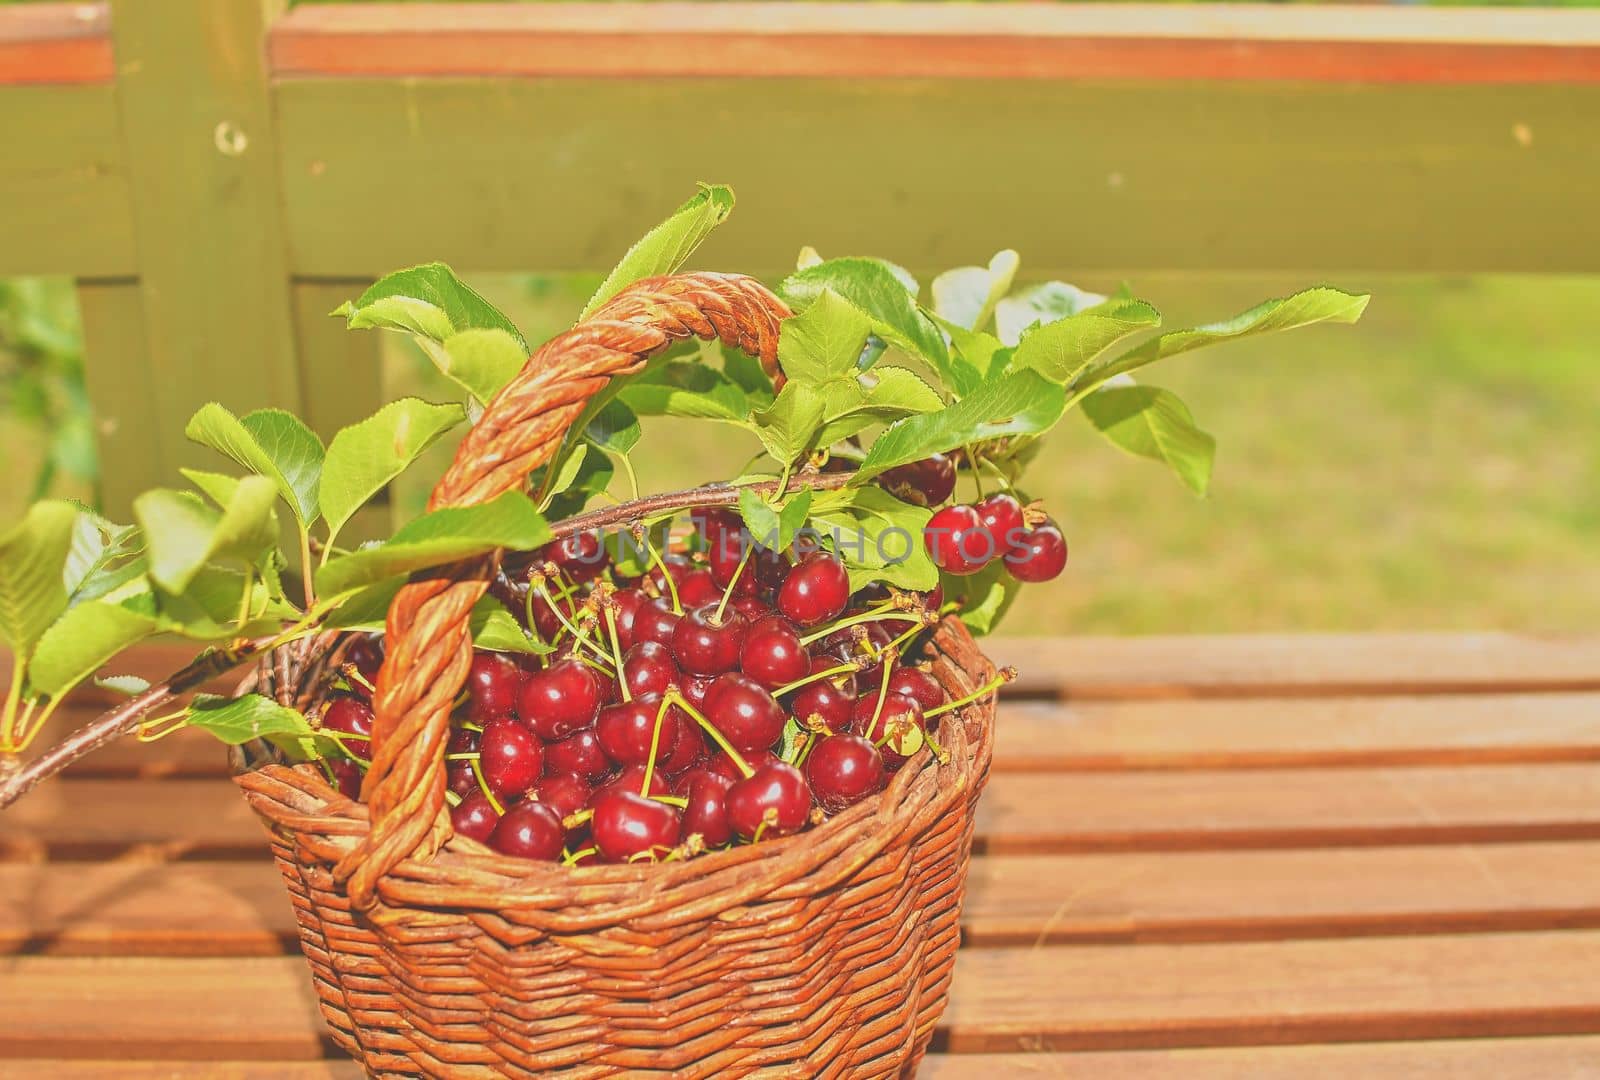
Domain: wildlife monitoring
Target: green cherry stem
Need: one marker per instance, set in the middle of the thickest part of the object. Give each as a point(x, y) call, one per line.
point(660, 564)
point(883, 688)
point(816, 676)
point(483, 786)
point(879, 614)
point(655, 744)
point(734, 756)
point(722, 605)
point(616, 647)
point(1005, 675)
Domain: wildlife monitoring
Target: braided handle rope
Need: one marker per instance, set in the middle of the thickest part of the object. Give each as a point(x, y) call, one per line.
point(427, 638)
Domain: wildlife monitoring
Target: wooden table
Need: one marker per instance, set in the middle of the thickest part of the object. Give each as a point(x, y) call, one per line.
point(1346, 856)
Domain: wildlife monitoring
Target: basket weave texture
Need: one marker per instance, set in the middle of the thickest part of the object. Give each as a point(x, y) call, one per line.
point(828, 953)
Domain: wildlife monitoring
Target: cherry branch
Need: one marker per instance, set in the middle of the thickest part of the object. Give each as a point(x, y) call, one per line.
point(711, 495)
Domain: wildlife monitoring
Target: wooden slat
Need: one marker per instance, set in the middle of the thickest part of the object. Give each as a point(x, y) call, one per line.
point(1558, 1058)
point(1079, 998)
point(239, 908)
point(59, 1069)
point(55, 43)
point(994, 41)
point(1020, 813)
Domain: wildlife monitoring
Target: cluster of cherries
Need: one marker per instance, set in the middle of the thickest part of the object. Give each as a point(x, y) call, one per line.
point(733, 694)
point(963, 539)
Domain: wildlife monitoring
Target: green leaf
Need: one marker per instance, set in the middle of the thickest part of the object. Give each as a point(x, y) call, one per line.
point(568, 474)
point(614, 429)
point(968, 295)
point(437, 538)
point(130, 685)
point(773, 527)
point(80, 642)
point(365, 456)
point(496, 629)
point(789, 426)
point(1017, 403)
point(428, 300)
point(881, 395)
point(666, 247)
point(1301, 309)
point(480, 360)
point(100, 549)
point(1154, 423)
point(365, 609)
point(33, 558)
point(1060, 349)
point(270, 443)
point(984, 597)
point(823, 342)
point(249, 716)
point(878, 537)
point(746, 373)
point(1040, 304)
point(873, 286)
point(685, 388)
point(183, 533)
point(595, 473)
point(208, 609)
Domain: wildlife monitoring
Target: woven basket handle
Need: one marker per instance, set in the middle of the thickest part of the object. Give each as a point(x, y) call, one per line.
point(427, 639)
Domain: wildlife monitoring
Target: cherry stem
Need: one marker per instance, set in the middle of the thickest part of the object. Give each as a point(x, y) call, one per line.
point(655, 745)
point(883, 688)
point(1005, 675)
point(483, 786)
point(806, 744)
point(572, 859)
point(580, 638)
point(879, 614)
point(722, 605)
point(660, 564)
point(711, 729)
point(816, 676)
point(353, 673)
point(616, 648)
point(671, 800)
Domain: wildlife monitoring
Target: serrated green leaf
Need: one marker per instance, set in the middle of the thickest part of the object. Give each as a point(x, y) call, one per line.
point(99, 549)
point(1301, 309)
point(249, 716)
point(436, 538)
point(365, 609)
point(872, 286)
point(455, 305)
point(595, 473)
point(365, 456)
point(496, 629)
point(1059, 350)
point(183, 533)
point(1017, 403)
point(746, 373)
point(685, 388)
point(668, 246)
point(479, 360)
point(130, 685)
point(614, 429)
point(1154, 423)
point(270, 443)
point(208, 609)
point(218, 487)
point(879, 396)
point(1041, 305)
point(81, 641)
point(774, 526)
point(823, 342)
point(968, 295)
point(790, 425)
point(566, 476)
point(878, 537)
point(33, 558)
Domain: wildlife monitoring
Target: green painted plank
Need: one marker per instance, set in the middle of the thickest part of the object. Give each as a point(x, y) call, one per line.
point(63, 184)
point(122, 391)
point(208, 220)
point(503, 174)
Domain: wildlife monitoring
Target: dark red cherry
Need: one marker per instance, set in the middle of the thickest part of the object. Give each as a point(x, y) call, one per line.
point(917, 685)
point(816, 590)
point(631, 778)
point(629, 601)
point(843, 769)
point(460, 777)
point(753, 608)
point(579, 753)
point(648, 668)
point(697, 588)
point(559, 699)
point(771, 568)
point(1001, 515)
point(626, 728)
point(691, 749)
point(676, 565)
point(532, 830)
point(833, 704)
point(627, 824)
point(723, 560)
point(366, 653)
point(582, 556)
point(493, 683)
point(775, 801)
point(712, 523)
point(958, 542)
point(705, 644)
point(512, 758)
point(742, 710)
point(565, 792)
point(351, 716)
point(546, 623)
point(474, 816)
point(349, 776)
point(695, 688)
point(772, 654)
point(721, 764)
point(655, 621)
point(928, 482)
point(707, 812)
point(897, 731)
point(1040, 555)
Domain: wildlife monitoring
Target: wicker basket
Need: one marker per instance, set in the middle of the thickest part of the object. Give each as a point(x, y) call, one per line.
point(828, 953)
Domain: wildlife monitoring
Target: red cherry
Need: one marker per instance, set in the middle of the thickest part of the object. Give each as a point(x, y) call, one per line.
point(366, 653)
point(707, 812)
point(351, 716)
point(774, 801)
point(695, 688)
point(816, 590)
point(772, 654)
point(771, 568)
point(629, 601)
point(723, 561)
point(564, 792)
point(512, 758)
point(697, 588)
point(582, 557)
point(900, 720)
point(546, 623)
point(579, 753)
point(655, 621)
point(742, 710)
point(721, 764)
point(493, 683)
point(705, 644)
point(843, 769)
point(349, 777)
point(460, 778)
point(928, 482)
point(626, 824)
point(631, 778)
point(753, 608)
point(712, 523)
point(532, 830)
point(691, 749)
point(625, 730)
point(1001, 515)
point(917, 685)
point(676, 565)
point(648, 668)
point(833, 704)
point(958, 542)
point(559, 699)
point(1040, 555)
point(474, 816)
